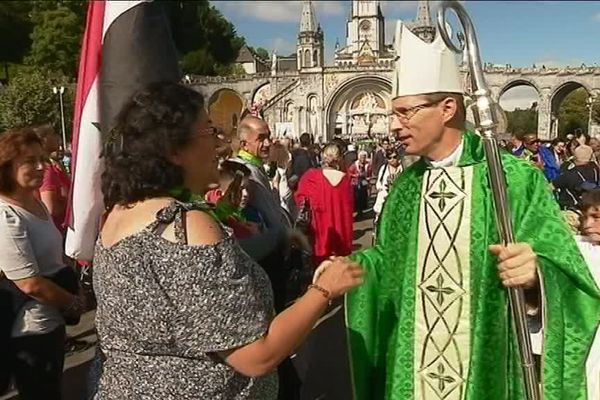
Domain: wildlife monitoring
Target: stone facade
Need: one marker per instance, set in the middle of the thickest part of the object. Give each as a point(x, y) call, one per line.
point(354, 95)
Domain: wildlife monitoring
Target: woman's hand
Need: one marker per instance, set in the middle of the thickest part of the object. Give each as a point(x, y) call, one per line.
point(320, 269)
point(76, 307)
point(338, 276)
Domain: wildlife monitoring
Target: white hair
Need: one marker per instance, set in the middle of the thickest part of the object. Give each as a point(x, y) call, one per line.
point(331, 155)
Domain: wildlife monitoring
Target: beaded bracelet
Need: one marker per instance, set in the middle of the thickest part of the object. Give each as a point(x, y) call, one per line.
point(326, 293)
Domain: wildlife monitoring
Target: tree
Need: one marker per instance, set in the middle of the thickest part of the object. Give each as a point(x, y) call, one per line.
point(56, 37)
point(521, 122)
point(261, 52)
point(198, 62)
point(29, 100)
point(573, 113)
point(206, 39)
point(15, 28)
point(48, 33)
point(230, 70)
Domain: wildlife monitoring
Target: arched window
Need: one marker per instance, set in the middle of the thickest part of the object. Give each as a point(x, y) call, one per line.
point(288, 112)
point(311, 102)
point(307, 58)
point(315, 58)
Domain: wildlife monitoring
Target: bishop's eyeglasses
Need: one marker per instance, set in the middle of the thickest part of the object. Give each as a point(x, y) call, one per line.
point(406, 114)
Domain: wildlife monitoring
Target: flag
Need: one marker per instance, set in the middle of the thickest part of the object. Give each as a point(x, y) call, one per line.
point(126, 46)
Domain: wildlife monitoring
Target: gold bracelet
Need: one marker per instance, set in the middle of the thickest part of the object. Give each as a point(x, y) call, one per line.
point(326, 293)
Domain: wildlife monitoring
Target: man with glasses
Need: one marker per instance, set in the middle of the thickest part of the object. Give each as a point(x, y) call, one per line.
point(540, 156)
point(255, 140)
point(271, 247)
point(431, 320)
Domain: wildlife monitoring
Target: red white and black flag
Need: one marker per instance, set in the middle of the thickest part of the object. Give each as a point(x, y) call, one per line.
point(126, 46)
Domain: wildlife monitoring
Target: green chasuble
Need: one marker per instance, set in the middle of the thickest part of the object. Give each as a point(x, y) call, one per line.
point(432, 318)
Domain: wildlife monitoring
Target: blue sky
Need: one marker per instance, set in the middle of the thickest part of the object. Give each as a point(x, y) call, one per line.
point(521, 33)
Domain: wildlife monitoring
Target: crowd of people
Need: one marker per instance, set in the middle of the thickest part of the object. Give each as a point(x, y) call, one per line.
point(289, 206)
point(218, 258)
point(570, 164)
point(255, 221)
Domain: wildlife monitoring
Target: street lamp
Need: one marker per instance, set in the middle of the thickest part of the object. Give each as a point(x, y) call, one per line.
point(590, 105)
point(60, 90)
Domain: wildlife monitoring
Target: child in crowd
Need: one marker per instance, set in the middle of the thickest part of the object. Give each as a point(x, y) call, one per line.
point(231, 200)
point(589, 237)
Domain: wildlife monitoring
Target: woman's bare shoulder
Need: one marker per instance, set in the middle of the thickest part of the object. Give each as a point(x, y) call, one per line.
point(202, 229)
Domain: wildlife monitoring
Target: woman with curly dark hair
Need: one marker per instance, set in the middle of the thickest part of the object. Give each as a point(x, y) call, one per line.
point(183, 312)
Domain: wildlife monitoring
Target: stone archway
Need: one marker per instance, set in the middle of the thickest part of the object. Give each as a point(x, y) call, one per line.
point(224, 109)
point(522, 97)
point(557, 97)
point(516, 83)
point(357, 102)
point(262, 94)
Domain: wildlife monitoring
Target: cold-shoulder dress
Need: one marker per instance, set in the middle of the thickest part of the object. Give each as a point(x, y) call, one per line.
point(165, 309)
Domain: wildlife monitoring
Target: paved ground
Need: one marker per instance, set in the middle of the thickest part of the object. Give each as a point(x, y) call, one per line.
point(77, 364)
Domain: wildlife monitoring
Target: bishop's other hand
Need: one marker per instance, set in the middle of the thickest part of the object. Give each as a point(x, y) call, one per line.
point(517, 264)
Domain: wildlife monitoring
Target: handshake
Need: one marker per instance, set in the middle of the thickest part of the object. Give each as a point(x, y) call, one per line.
point(338, 275)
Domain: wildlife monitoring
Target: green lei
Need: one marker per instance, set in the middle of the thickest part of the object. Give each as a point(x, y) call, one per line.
point(220, 211)
point(251, 158)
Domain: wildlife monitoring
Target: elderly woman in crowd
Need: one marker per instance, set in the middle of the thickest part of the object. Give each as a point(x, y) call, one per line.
point(183, 313)
point(38, 291)
point(360, 172)
point(329, 195)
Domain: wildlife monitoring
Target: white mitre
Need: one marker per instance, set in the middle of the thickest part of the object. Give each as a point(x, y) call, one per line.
point(423, 68)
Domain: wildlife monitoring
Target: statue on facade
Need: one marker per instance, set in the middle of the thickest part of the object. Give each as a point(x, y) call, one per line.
point(289, 113)
point(368, 101)
point(312, 114)
point(274, 63)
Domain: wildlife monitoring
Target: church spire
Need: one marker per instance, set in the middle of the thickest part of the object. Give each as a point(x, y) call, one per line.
point(423, 14)
point(422, 26)
point(310, 39)
point(307, 23)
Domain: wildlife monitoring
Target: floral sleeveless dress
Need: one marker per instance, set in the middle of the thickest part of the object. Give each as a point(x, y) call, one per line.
point(165, 309)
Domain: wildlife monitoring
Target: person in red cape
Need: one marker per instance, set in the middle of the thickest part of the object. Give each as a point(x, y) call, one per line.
point(330, 198)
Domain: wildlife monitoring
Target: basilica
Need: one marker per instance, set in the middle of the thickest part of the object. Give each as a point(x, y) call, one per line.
point(351, 97)
point(299, 93)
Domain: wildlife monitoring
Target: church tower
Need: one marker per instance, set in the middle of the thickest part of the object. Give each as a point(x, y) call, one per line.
point(366, 26)
point(422, 26)
point(365, 35)
point(310, 40)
